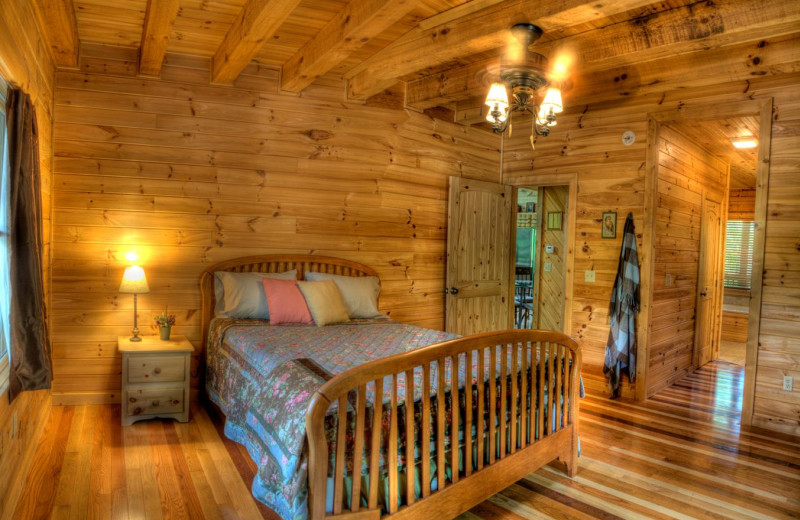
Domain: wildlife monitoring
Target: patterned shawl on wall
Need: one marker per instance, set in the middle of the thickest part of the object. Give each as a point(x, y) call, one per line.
point(621, 348)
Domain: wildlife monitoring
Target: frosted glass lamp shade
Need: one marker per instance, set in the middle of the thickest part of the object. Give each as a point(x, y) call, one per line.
point(497, 96)
point(134, 281)
point(552, 101)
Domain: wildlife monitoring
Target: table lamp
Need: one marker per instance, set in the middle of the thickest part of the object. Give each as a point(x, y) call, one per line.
point(134, 282)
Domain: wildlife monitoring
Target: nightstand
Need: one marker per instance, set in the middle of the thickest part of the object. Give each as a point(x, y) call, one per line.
point(155, 378)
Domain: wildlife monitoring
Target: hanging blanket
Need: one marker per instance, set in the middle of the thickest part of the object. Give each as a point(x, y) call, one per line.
point(621, 347)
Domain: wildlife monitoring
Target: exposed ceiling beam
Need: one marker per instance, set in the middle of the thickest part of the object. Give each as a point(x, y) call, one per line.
point(158, 20)
point(682, 30)
point(257, 22)
point(354, 26)
point(477, 32)
point(57, 18)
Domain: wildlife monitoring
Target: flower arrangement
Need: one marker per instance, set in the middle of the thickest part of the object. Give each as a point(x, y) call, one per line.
point(164, 319)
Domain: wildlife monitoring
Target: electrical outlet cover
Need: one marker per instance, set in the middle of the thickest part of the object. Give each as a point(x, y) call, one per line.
point(548, 267)
point(588, 276)
point(787, 383)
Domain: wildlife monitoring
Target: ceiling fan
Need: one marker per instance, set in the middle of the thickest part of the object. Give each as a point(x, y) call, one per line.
point(522, 72)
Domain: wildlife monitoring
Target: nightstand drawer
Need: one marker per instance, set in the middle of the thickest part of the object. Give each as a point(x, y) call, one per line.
point(149, 369)
point(154, 401)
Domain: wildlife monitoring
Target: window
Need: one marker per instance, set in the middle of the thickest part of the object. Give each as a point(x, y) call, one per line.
point(739, 253)
point(5, 291)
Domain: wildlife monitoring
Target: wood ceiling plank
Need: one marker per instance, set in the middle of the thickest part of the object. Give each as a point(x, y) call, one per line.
point(686, 29)
point(354, 26)
point(257, 22)
point(158, 20)
point(57, 18)
point(477, 32)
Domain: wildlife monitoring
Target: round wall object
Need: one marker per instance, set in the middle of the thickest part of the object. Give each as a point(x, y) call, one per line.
point(628, 137)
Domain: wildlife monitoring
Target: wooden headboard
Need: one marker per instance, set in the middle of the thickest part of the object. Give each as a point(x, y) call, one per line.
point(272, 264)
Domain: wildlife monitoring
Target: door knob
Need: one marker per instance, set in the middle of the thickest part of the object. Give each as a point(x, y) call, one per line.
point(453, 290)
point(703, 293)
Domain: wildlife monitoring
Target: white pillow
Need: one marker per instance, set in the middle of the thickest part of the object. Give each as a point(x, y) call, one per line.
point(241, 295)
point(359, 293)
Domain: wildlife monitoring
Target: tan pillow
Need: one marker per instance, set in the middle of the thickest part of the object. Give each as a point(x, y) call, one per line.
point(324, 301)
point(359, 293)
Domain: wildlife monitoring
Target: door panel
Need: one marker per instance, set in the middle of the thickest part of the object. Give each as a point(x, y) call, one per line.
point(552, 267)
point(478, 248)
point(707, 283)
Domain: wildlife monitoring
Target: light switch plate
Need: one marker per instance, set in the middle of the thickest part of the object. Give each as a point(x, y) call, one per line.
point(548, 266)
point(588, 276)
point(787, 383)
point(668, 280)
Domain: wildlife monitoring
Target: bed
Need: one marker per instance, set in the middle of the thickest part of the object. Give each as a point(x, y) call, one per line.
point(486, 409)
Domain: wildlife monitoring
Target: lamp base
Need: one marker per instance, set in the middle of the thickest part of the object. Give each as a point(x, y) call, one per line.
point(135, 338)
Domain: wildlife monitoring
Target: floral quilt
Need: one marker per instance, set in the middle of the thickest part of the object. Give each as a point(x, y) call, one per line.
point(263, 377)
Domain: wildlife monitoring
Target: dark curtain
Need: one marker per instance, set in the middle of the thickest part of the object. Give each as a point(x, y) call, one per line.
point(31, 363)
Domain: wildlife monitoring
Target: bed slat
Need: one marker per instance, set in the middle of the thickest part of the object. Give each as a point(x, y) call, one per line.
point(338, 479)
point(409, 404)
point(375, 445)
point(358, 447)
point(391, 459)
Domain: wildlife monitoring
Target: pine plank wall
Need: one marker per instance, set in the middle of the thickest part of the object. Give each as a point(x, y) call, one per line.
point(25, 63)
point(188, 174)
point(611, 177)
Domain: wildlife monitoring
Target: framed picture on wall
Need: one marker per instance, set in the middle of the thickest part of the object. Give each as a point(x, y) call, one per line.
point(609, 224)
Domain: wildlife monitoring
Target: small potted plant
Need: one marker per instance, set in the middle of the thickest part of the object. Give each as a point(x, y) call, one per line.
point(164, 322)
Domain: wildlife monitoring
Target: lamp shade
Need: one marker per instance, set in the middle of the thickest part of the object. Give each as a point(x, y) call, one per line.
point(552, 101)
point(497, 96)
point(134, 281)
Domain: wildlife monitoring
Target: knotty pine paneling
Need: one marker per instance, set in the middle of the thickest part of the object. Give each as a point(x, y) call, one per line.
point(26, 63)
point(742, 204)
point(550, 307)
point(187, 174)
point(611, 177)
point(686, 174)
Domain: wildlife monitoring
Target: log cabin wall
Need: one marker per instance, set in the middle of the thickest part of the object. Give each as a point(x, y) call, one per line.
point(26, 63)
point(612, 178)
point(686, 175)
point(742, 204)
point(188, 174)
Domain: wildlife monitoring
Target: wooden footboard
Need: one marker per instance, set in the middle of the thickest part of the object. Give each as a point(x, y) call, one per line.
point(520, 399)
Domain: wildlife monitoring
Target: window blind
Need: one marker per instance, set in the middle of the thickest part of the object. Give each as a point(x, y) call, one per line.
point(739, 253)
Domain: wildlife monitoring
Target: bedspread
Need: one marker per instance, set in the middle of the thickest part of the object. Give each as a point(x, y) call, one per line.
point(262, 377)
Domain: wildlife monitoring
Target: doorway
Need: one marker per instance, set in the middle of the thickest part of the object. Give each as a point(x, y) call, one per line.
point(685, 252)
point(541, 255)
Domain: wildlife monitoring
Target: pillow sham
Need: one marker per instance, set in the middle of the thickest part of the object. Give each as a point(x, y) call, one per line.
point(241, 295)
point(359, 293)
point(324, 301)
point(285, 301)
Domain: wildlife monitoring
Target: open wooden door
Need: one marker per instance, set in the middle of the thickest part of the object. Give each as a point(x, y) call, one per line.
point(478, 249)
point(708, 286)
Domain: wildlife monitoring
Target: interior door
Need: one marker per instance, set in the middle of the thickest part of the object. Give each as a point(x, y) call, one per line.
point(708, 276)
point(478, 252)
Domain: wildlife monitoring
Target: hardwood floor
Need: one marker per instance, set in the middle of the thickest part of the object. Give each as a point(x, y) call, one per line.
point(680, 455)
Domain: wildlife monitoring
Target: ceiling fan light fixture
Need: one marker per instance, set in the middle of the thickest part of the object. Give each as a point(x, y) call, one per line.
point(523, 76)
point(744, 143)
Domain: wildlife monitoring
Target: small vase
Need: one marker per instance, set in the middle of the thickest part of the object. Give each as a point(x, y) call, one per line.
point(164, 332)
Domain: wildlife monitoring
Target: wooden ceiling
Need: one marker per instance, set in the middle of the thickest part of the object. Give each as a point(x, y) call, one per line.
point(444, 52)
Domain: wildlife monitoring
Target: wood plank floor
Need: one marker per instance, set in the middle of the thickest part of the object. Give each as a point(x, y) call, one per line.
point(680, 455)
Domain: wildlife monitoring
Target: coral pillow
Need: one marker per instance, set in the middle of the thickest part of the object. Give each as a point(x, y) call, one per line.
point(286, 303)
